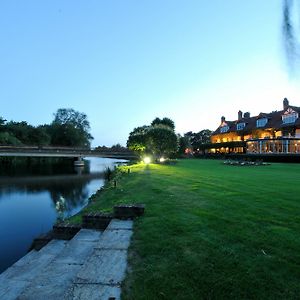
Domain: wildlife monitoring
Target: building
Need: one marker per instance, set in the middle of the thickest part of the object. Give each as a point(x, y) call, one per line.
point(277, 132)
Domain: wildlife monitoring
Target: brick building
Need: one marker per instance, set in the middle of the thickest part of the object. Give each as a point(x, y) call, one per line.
point(275, 132)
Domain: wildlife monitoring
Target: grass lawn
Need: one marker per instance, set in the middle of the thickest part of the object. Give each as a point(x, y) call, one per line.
point(212, 231)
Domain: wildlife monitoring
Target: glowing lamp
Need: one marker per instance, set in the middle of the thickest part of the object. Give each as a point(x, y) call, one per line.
point(147, 160)
point(162, 159)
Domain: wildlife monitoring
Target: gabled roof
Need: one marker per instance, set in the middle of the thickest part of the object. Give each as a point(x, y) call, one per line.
point(274, 121)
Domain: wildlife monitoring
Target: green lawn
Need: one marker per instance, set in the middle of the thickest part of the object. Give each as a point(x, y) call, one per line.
point(212, 231)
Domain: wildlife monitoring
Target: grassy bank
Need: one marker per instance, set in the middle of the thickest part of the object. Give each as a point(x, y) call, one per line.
point(212, 231)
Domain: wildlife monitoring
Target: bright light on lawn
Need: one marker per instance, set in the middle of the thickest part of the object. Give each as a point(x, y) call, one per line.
point(147, 160)
point(162, 159)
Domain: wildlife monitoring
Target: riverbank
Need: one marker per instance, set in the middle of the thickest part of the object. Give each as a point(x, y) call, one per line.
point(30, 189)
point(210, 231)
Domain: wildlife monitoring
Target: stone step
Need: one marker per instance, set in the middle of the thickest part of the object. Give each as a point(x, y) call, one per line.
point(54, 247)
point(58, 276)
point(101, 276)
point(92, 265)
point(16, 278)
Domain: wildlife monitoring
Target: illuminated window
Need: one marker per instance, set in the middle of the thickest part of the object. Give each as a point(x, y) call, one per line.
point(240, 126)
point(224, 129)
point(261, 122)
point(289, 118)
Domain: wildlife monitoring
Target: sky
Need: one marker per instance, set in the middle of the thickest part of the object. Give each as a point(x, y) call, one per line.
point(126, 62)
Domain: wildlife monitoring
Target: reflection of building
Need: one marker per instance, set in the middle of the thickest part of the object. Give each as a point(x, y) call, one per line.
point(275, 132)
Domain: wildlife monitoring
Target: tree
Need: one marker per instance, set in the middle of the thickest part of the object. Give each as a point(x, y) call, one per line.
point(70, 128)
point(165, 121)
point(22, 133)
point(193, 141)
point(184, 143)
point(137, 140)
point(18, 133)
point(20, 130)
point(118, 148)
point(2, 122)
point(72, 117)
point(39, 136)
point(161, 141)
point(7, 138)
point(200, 138)
point(158, 139)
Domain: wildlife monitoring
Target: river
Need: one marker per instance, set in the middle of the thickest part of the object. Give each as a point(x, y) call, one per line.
point(29, 195)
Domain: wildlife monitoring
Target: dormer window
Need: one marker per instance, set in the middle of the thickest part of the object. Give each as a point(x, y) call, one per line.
point(240, 126)
point(261, 122)
point(224, 129)
point(290, 116)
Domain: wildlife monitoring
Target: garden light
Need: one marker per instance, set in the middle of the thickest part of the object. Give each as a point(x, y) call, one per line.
point(147, 160)
point(162, 159)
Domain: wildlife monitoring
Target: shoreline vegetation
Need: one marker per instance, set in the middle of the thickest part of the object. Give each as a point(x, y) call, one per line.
point(209, 231)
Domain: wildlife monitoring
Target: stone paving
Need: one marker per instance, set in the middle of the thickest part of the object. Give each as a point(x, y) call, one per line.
point(90, 266)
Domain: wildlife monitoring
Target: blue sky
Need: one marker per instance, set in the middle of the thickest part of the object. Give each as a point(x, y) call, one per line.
point(125, 62)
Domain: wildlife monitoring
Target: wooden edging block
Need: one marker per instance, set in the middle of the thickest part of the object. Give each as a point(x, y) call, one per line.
point(65, 231)
point(128, 211)
point(96, 220)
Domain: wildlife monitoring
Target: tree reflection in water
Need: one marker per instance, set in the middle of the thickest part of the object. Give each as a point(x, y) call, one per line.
point(58, 177)
point(73, 188)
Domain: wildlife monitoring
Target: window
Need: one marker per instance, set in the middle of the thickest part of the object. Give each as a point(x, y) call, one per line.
point(240, 126)
point(261, 122)
point(289, 118)
point(224, 129)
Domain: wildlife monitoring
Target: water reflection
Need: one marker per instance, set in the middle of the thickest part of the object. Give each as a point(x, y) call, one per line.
point(73, 188)
point(28, 201)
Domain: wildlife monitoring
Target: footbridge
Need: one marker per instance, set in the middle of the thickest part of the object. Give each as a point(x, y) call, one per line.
point(79, 153)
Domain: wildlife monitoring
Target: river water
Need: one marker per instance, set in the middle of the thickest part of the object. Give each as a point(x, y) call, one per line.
point(29, 196)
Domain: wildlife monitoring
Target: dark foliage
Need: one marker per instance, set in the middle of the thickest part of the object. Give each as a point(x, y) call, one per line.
point(194, 141)
point(69, 128)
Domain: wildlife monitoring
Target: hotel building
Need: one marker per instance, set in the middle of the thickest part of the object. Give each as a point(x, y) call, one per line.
point(277, 132)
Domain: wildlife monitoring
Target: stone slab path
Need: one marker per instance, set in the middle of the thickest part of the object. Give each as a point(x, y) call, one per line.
point(92, 265)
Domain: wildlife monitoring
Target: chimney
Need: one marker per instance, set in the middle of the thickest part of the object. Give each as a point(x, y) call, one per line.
point(285, 104)
point(222, 119)
point(240, 115)
point(247, 115)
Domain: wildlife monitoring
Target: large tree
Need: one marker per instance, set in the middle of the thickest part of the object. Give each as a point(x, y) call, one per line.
point(158, 139)
point(137, 140)
point(161, 140)
point(72, 117)
point(70, 128)
point(165, 121)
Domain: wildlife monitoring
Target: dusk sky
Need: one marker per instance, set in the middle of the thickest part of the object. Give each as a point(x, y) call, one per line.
point(125, 62)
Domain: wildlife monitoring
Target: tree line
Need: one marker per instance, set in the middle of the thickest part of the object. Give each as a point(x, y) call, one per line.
point(71, 128)
point(68, 128)
point(160, 140)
